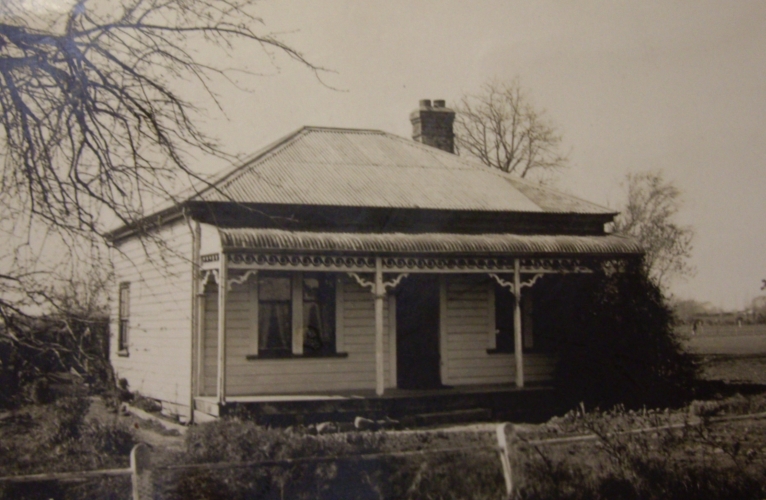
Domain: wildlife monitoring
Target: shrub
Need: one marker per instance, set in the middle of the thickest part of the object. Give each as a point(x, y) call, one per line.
point(34, 348)
point(618, 344)
point(474, 475)
point(112, 439)
point(67, 419)
point(700, 461)
point(59, 437)
point(147, 404)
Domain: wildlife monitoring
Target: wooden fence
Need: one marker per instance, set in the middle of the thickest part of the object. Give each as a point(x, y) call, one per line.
point(142, 470)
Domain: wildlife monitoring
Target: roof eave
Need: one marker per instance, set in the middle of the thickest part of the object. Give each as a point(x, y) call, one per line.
point(148, 223)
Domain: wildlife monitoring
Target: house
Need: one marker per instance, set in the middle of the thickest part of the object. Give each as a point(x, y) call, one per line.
point(341, 266)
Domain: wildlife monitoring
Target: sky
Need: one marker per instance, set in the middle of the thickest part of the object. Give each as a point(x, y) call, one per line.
point(677, 86)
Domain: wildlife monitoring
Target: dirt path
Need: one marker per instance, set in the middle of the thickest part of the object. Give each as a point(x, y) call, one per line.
point(149, 432)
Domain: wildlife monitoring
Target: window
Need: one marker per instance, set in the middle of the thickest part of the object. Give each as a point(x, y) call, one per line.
point(124, 315)
point(504, 306)
point(274, 313)
point(285, 299)
point(318, 313)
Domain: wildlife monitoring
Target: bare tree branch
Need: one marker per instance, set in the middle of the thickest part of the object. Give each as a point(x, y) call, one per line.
point(649, 213)
point(93, 126)
point(500, 127)
point(90, 118)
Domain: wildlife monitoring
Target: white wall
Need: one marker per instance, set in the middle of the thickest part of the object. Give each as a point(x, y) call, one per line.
point(158, 363)
point(294, 375)
point(467, 324)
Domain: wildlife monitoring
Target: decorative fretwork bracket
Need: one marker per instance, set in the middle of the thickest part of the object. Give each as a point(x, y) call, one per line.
point(241, 279)
point(522, 285)
point(363, 282)
point(394, 282)
point(206, 276)
point(371, 284)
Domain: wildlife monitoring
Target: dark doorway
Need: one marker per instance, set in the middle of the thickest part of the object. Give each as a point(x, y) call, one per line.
point(417, 332)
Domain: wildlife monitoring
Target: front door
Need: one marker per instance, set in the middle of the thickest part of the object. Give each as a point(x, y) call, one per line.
point(417, 332)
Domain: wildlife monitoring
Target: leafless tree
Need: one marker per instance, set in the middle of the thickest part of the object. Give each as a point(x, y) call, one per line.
point(502, 128)
point(648, 215)
point(90, 115)
point(97, 123)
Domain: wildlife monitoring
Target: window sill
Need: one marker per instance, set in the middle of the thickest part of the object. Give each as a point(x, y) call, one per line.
point(123, 353)
point(532, 351)
point(272, 355)
point(498, 351)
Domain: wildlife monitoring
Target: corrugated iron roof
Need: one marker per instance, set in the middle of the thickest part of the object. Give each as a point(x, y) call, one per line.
point(428, 243)
point(369, 168)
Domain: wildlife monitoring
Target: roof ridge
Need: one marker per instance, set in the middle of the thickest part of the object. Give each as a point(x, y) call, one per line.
point(316, 128)
point(229, 174)
point(470, 162)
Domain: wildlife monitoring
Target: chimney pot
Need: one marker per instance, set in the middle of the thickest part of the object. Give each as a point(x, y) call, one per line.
point(433, 125)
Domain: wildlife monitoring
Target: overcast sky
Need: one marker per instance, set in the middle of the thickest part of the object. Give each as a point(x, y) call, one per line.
point(673, 85)
point(678, 86)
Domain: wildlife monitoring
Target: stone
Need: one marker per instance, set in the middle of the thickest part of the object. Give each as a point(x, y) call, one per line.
point(364, 424)
point(326, 428)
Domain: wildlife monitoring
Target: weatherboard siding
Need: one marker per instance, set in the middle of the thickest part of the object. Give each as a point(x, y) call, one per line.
point(298, 375)
point(209, 373)
point(158, 363)
point(467, 325)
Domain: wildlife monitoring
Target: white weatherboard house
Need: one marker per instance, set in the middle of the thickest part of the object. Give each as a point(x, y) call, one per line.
point(350, 267)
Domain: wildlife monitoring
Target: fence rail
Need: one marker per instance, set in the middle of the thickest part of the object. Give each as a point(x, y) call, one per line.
point(141, 468)
point(67, 476)
point(680, 425)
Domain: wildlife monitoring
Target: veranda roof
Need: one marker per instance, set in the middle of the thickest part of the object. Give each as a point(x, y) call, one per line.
point(428, 243)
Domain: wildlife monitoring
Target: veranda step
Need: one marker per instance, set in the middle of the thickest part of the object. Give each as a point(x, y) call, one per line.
point(448, 417)
point(207, 406)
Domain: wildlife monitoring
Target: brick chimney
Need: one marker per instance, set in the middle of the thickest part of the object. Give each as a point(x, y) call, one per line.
point(432, 125)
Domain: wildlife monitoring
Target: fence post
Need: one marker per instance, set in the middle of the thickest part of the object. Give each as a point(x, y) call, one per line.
point(505, 461)
point(140, 465)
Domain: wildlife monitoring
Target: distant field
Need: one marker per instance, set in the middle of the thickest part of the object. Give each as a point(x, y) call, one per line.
point(727, 339)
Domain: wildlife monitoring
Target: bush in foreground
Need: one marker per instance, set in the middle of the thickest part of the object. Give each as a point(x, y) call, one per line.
point(36, 351)
point(57, 437)
point(699, 460)
point(619, 345)
point(475, 475)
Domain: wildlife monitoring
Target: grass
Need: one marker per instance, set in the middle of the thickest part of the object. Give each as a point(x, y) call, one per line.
point(727, 339)
point(733, 369)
